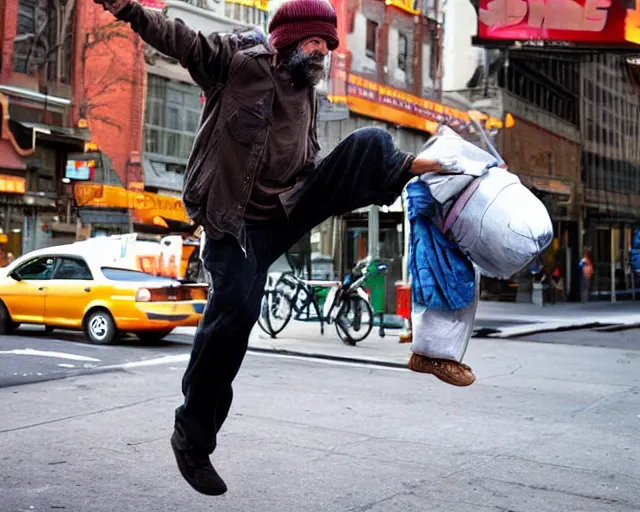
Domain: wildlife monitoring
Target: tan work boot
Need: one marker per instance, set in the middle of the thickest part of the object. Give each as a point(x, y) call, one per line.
point(451, 372)
point(406, 337)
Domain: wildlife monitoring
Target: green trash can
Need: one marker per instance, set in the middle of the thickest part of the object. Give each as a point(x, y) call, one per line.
point(321, 293)
point(375, 285)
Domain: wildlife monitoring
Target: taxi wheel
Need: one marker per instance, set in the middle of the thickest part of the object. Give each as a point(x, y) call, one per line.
point(7, 326)
point(100, 328)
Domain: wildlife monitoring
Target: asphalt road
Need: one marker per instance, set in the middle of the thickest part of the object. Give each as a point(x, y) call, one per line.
point(32, 355)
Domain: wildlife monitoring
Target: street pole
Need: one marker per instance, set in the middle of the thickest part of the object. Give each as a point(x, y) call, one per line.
point(374, 231)
point(613, 265)
point(440, 36)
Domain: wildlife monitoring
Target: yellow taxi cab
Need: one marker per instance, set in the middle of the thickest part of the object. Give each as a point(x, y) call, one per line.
point(72, 287)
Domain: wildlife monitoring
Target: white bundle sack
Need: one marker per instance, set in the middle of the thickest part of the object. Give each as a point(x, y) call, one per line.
point(502, 226)
point(443, 334)
point(496, 221)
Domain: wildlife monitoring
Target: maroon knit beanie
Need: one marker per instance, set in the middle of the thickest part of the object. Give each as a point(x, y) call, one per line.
point(296, 20)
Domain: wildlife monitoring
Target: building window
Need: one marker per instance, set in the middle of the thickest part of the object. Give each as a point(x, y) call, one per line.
point(171, 117)
point(537, 81)
point(403, 52)
point(26, 17)
point(44, 39)
point(372, 38)
point(428, 7)
point(26, 27)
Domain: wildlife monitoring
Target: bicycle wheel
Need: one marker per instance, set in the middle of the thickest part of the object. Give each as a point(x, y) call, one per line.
point(275, 312)
point(297, 292)
point(354, 322)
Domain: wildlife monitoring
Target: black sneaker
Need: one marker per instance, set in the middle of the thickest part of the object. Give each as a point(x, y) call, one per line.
point(197, 470)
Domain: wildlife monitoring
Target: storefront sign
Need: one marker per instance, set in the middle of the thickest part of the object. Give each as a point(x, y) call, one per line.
point(12, 184)
point(600, 23)
point(381, 102)
point(145, 205)
point(81, 170)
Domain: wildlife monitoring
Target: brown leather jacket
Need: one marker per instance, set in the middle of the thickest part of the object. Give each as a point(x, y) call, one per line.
point(235, 71)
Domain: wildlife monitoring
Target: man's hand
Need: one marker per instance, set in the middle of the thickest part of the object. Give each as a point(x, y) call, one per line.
point(113, 6)
point(441, 166)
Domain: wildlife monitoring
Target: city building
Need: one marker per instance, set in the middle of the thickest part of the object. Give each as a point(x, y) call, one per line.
point(610, 129)
point(573, 95)
point(39, 51)
point(540, 93)
point(96, 126)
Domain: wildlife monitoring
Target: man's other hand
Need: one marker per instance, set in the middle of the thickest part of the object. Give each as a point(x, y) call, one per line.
point(113, 6)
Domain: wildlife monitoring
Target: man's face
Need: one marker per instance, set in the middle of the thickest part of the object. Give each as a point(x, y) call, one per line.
point(307, 62)
point(314, 44)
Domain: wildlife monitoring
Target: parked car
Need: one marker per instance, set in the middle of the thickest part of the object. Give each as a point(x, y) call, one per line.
point(72, 287)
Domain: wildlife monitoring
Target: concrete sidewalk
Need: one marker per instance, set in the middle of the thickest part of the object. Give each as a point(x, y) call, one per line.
point(304, 338)
point(566, 310)
point(508, 319)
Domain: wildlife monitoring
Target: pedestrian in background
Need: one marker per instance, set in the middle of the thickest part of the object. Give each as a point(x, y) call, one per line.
point(557, 284)
point(586, 270)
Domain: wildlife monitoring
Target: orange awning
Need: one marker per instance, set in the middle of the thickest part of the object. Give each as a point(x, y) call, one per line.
point(147, 207)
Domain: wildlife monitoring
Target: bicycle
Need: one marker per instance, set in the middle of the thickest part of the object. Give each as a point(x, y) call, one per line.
point(347, 304)
point(288, 295)
point(275, 310)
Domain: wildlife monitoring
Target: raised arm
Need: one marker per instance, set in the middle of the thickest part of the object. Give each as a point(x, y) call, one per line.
point(206, 58)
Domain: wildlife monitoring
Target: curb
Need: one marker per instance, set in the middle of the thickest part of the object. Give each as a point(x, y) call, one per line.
point(519, 332)
point(307, 355)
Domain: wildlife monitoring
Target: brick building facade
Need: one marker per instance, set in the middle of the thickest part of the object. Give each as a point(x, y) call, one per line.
point(38, 90)
point(113, 95)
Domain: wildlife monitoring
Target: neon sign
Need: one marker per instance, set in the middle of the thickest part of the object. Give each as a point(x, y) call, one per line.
point(599, 23)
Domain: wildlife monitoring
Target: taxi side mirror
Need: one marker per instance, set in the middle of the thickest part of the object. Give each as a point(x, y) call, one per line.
point(15, 275)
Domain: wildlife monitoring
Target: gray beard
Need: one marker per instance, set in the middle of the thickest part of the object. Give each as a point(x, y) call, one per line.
point(307, 70)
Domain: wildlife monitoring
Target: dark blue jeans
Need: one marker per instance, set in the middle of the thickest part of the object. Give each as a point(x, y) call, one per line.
point(365, 168)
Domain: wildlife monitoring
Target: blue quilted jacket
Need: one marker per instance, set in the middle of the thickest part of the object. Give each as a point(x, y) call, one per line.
point(442, 277)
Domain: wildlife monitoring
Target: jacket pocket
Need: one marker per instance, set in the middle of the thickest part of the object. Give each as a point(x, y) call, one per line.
point(245, 124)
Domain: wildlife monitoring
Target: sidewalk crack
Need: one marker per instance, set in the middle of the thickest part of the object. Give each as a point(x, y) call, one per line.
point(85, 414)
